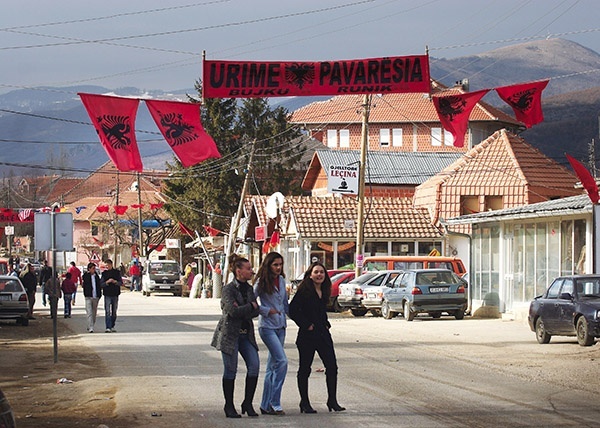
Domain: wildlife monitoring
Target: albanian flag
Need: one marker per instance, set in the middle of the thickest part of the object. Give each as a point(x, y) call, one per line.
point(454, 111)
point(181, 126)
point(525, 100)
point(114, 120)
point(588, 182)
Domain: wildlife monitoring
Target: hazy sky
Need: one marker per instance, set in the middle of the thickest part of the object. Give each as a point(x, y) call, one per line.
point(157, 44)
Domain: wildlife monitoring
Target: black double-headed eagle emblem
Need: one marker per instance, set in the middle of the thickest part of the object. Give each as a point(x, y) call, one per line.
point(116, 129)
point(522, 100)
point(452, 106)
point(176, 130)
point(299, 74)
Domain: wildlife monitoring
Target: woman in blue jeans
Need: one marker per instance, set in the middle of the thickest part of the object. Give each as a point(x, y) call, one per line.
point(235, 334)
point(270, 290)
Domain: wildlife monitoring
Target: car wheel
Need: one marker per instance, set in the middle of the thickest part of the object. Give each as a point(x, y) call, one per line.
point(541, 334)
point(459, 315)
point(386, 312)
point(408, 315)
point(583, 329)
point(358, 312)
point(336, 306)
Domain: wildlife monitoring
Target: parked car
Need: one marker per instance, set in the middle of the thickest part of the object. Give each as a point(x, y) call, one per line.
point(569, 307)
point(161, 276)
point(454, 264)
point(13, 300)
point(431, 291)
point(292, 285)
point(351, 293)
point(336, 280)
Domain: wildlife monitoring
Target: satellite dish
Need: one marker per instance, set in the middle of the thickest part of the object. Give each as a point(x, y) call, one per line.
point(274, 205)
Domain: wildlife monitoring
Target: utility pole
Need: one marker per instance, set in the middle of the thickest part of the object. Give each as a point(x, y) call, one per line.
point(116, 222)
point(236, 222)
point(361, 185)
point(141, 241)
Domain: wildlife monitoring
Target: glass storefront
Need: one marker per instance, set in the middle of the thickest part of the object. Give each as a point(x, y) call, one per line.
point(534, 253)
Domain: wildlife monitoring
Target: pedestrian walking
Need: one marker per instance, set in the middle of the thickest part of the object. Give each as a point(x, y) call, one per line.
point(45, 275)
point(111, 282)
point(68, 288)
point(235, 333)
point(92, 292)
point(76, 277)
point(135, 273)
point(272, 296)
point(54, 293)
point(29, 281)
point(308, 309)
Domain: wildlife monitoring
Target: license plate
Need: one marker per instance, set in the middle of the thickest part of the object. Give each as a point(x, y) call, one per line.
point(438, 289)
point(165, 287)
point(5, 297)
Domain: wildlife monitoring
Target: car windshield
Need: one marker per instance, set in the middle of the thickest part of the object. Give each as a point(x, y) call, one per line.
point(338, 276)
point(589, 287)
point(158, 268)
point(434, 278)
point(364, 278)
point(10, 286)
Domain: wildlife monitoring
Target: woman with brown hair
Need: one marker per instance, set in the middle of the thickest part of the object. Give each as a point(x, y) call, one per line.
point(308, 309)
point(271, 292)
point(235, 333)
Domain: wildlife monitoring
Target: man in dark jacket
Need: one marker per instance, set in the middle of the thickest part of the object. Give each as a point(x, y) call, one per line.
point(111, 282)
point(30, 283)
point(45, 275)
point(92, 293)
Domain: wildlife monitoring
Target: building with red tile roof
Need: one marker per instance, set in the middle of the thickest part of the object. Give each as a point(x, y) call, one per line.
point(397, 122)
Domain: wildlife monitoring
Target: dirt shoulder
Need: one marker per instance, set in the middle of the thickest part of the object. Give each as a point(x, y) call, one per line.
point(28, 377)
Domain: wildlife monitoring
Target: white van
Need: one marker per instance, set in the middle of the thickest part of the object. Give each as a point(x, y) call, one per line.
point(161, 276)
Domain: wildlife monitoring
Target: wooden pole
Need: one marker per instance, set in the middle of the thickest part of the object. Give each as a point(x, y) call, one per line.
point(361, 185)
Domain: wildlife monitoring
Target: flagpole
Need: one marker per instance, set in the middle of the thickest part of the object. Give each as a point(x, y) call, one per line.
point(236, 222)
point(361, 185)
point(139, 192)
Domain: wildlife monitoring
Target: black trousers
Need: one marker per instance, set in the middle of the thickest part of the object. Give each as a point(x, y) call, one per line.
point(309, 342)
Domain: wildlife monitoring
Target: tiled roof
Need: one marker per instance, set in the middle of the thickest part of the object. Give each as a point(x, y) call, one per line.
point(325, 218)
point(571, 205)
point(505, 159)
point(388, 167)
point(391, 108)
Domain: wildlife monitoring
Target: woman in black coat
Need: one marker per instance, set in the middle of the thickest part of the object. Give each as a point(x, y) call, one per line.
point(308, 309)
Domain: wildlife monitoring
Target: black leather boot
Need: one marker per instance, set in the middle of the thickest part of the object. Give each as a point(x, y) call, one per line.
point(332, 404)
point(305, 406)
point(249, 396)
point(228, 387)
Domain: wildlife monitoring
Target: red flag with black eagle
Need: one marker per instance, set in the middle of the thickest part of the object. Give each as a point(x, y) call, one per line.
point(114, 120)
point(181, 126)
point(454, 111)
point(588, 182)
point(525, 100)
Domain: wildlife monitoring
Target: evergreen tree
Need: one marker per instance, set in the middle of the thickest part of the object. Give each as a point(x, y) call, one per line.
point(209, 193)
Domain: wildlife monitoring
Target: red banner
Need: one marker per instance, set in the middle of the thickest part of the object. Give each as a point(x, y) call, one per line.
point(249, 79)
point(181, 126)
point(454, 112)
point(525, 100)
point(587, 180)
point(114, 120)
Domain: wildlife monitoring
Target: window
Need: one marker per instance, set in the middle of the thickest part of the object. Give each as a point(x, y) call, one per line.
point(553, 290)
point(344, 138)
point(94, 230)
point(436, 136)
point(493, 203)
point(397, 137)
point(384, 137)
point(448, 138)
point(332, 138)
point(469, 205)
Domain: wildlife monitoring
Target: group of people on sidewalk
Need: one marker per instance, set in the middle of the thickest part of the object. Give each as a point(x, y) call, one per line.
point(267, 299)
point(94, 285)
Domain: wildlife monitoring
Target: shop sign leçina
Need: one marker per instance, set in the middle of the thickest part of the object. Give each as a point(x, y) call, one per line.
point(343, 179)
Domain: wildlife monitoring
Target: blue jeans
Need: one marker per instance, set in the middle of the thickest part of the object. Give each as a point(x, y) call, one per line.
point(68, 297)
point(111, 303)
point(249, 354)
point(277, 365)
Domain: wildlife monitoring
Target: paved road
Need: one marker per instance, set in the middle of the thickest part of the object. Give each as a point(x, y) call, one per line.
point(428, 373)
